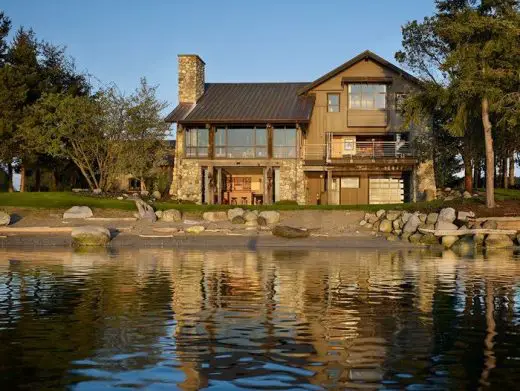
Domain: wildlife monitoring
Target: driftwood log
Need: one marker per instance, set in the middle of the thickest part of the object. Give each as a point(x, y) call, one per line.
point(462, 232)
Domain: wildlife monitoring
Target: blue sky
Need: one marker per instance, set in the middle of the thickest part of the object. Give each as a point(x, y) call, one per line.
point(121, 40)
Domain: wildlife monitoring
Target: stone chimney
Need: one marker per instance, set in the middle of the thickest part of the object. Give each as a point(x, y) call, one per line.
point(191, 78)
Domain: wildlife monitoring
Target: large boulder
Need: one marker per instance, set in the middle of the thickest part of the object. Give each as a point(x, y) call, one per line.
point(447, 214)
point(290, 232)
point(145, 211)
point(90, 236)
point(171, 216)
point(195, 229)
point(78, 212)
point(445, 225)
point(412, 224)
point(231, 213)
point(380, 213)
point(270, 216)
point(397, 224)
point(464, 246)
point(464, 216)
point(215, 216)
point(498, 241)
point(238, 220)
point(449, 240)
point(156, 194)
point(429, 239)
point(5, 218)
point(371, 218)
point(432, 218)
point(393, 215)
point(250, 216)
point(490, 224)
point(405, 217)
point(385, 226)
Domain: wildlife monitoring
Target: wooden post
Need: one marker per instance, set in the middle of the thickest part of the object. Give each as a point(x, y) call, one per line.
point(329, 187)
point(219, 185)
point(211, 186)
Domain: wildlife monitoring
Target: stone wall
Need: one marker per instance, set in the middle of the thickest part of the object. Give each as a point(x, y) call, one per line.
point(191, 78)
point(425, 181)
point(292, 181)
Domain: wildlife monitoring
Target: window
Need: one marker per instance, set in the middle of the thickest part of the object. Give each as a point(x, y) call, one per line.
point(333, 103)
point(350, 182)
point(348, 145)
point(367, 96)
point(284, 142)
point(197, 142)
point(242, 143)
point(134, 184)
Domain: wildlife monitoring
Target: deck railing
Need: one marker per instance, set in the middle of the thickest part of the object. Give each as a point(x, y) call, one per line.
point(354, 150)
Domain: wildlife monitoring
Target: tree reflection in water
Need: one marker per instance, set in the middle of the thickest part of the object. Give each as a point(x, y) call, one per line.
point(266, 319)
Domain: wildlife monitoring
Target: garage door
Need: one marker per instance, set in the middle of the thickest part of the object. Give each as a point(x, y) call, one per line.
point(385, 191)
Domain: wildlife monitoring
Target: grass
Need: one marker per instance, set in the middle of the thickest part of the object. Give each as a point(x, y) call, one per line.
point(65, 200)
point(505, 194)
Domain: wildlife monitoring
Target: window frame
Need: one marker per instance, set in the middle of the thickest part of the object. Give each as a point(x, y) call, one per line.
point(329, 105)
point(226, 147)
point(344, 179)
point(197, 148)
point(362, 95)
point(285, 147)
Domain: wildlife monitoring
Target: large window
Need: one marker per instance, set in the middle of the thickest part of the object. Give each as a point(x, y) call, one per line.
point(197, 142)
point(284, 142)
point(241, 143)
point(333, 103)
point(367, 96)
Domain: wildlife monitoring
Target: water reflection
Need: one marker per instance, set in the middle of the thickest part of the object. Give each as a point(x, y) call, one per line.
point(263, 320)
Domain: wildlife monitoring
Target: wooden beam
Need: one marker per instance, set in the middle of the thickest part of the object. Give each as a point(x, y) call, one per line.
point(462, 232)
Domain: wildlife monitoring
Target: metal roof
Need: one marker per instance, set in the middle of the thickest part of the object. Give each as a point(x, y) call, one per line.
point(246, 102)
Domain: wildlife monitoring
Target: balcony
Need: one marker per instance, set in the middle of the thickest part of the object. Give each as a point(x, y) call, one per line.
point(345, 151)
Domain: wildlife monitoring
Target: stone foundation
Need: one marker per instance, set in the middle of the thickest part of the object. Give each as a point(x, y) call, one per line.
point(292, 181)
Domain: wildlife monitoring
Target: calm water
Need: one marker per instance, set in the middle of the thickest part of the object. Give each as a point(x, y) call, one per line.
point(163, 319)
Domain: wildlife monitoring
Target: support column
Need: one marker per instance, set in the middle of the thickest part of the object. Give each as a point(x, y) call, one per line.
point(268, 185)
point(329, 187)
point(211, 186)
point(219, 185)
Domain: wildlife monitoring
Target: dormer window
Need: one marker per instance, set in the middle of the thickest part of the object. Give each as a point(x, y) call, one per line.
point(333, 103)
point(367, 96)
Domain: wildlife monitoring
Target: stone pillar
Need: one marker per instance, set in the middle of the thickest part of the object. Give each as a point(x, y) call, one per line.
point(191, 77)
point(425, 181)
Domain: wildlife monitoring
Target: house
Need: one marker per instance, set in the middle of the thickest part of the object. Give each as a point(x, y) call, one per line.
point(336, 140)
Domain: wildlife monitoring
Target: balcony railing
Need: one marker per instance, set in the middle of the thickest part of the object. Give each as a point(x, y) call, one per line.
point(350, 150)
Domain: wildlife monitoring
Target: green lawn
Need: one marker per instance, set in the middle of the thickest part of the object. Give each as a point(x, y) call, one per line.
point(64, 200)
point(505, 194)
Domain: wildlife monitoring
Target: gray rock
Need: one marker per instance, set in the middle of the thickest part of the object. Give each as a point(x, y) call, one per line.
point(441, 224)
point(412, 224)
point(415, 238)
point(447, 189)
point(195, 229)
point(432, 218)
point(422, 217)
point(479, 239)
point(393, 215)
point(397, 224)
point(498, 241)
point(270, 216)
point(429, 239)
point(262, 221)
point(362, 223)
point(447, 215)
point(427, 226)
point(385, 226)
point(380, 213)
point(238, 220)
point(490, 224)
point(466, 194)
point(290, 232)
point(171, 216)
point(145, 211)
point(156, 194)
point(250, 216)
point(144, 193)
point(97, 191)
point(78, 212)
point(231, 213)
point(5, 218)
point(90, 236)
point(405, 217)
point(215, 216)
point(449, 240)
point(371, 218)
point(159, 214)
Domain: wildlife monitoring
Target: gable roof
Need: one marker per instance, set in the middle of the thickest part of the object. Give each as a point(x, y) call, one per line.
point(367, 54)
point(246, 103)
